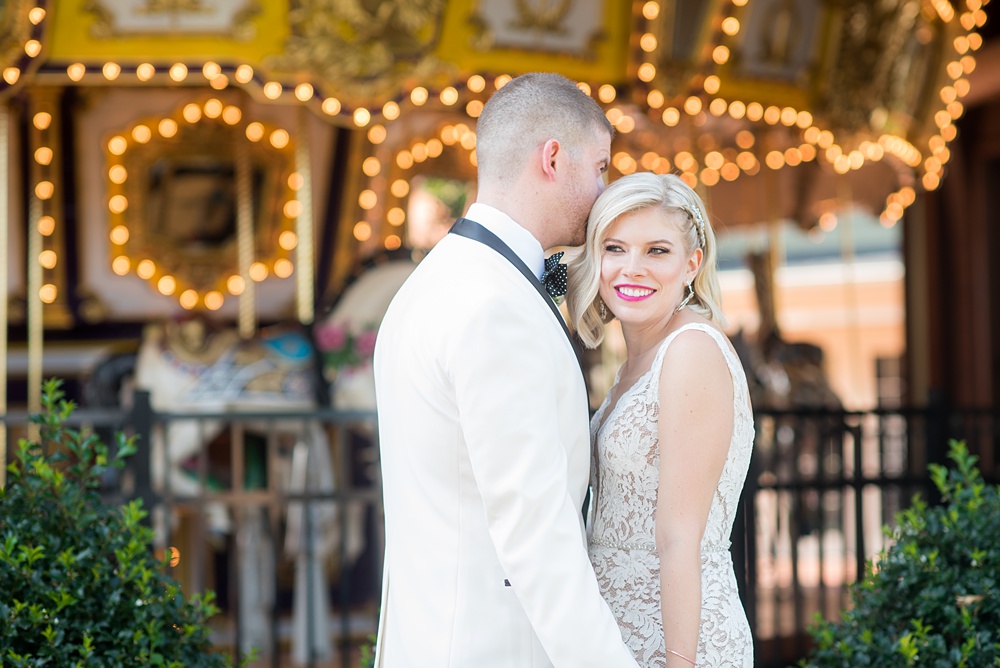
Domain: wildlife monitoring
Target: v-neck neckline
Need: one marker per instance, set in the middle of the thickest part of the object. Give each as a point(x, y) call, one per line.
point(609, 410)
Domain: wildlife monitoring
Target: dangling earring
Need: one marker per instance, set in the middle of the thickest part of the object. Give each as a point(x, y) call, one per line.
point(687, 297)
point(604, 311)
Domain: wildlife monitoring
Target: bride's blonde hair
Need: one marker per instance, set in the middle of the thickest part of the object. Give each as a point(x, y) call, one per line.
point(628, 194)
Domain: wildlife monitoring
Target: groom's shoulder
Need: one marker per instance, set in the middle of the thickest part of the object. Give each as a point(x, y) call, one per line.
point(461, 261)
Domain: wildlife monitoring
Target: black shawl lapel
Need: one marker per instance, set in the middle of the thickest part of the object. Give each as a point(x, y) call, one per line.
point(473, 230)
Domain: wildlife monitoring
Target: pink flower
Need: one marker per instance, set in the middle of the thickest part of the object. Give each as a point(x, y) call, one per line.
point(331, 337)
point(364, 345)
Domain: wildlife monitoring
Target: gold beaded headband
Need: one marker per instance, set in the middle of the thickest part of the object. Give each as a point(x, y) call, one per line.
point(699, 224)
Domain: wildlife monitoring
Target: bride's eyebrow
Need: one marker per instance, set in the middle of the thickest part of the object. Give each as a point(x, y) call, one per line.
point(666, 242)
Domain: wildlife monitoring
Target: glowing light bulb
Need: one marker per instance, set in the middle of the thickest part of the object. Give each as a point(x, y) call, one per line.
point(255, 131)
point(258, 272)
point(244, 74)
point(476, 83)
point(167, 128)
point(283, 268)
point(178, 72)
point(419, 96)
point(146, 269)
point(166, 285)
point(279, 138)
point(273, 90)
point(48, 293)
point(362, 117)
point(214, 300)
point(304, 92)
point(188, 299)
point(121, 265)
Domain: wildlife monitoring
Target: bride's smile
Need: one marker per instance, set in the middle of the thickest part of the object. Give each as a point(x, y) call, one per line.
point(633, 293)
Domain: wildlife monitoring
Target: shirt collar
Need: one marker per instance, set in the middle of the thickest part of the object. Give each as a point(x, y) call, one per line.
point(518, 239)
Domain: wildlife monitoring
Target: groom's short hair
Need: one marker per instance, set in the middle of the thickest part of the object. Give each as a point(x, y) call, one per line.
point(525, 113)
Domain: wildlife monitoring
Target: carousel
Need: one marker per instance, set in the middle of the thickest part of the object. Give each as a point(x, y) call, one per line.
point(215, 202)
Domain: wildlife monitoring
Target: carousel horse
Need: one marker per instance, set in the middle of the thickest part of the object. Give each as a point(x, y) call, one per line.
point(188, 366)
point(784, 375)
point(781, 374)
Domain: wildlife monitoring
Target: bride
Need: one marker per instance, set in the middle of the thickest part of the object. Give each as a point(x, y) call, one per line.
point(673, 437)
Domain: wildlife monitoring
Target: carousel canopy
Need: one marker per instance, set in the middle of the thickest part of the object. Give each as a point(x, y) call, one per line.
point(774, 109)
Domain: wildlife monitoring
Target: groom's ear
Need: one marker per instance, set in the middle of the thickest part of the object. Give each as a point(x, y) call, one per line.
point(550, 150)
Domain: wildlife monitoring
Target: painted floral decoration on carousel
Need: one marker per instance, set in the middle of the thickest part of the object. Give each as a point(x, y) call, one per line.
point(343, 350)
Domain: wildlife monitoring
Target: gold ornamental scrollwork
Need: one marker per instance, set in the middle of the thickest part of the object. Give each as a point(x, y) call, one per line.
point(361, 50)
point(567, 27)
point(883, 65)
point(229, 18)
point(544, 15)
point(173, 6)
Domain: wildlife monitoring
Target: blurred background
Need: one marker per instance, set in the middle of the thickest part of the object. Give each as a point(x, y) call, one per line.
point(206, 207)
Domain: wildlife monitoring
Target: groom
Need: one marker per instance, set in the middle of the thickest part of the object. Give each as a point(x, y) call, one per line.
point(483, 418)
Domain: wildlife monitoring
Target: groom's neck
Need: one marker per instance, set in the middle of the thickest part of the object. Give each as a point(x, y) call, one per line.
point(523, 204)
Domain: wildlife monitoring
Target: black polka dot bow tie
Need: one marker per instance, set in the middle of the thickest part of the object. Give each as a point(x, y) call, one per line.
point(554, 276)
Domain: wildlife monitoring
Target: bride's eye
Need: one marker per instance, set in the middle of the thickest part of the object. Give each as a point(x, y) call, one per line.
point(657, 250)
point(612, 248)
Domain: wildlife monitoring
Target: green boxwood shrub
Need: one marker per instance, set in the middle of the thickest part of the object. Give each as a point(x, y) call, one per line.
point(932, 598)
point(79, 585)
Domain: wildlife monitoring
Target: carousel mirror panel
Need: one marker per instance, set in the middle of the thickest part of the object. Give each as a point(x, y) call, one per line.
point(175, 190)
point(163, 193)
point(420, 178)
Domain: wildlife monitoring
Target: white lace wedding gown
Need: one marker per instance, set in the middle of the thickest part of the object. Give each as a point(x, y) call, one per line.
point(622, 540)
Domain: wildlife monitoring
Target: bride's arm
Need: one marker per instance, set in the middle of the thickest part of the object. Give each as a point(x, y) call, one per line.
point(695, 428)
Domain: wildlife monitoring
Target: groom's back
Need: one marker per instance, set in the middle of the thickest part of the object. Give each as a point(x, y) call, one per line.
point(446, 602)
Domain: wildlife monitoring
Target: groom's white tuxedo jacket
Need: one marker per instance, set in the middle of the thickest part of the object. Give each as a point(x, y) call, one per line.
point(485, 453)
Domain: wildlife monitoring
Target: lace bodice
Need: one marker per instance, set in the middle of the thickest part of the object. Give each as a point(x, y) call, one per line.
point(622, 536)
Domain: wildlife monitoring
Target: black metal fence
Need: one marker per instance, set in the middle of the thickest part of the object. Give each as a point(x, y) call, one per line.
point(821, 487)
point(280, 514)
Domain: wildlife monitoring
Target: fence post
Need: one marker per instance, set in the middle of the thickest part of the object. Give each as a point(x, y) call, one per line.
point(141, 421)
point(858, 485)
point(937, 439)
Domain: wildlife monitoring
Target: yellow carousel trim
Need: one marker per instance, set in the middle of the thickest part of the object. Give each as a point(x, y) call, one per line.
point(82, 31)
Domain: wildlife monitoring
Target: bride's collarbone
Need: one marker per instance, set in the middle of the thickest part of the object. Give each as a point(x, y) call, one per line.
point(638, 366)
point(629, 380)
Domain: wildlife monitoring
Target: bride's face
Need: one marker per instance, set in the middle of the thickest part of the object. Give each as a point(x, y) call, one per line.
point(644, 267)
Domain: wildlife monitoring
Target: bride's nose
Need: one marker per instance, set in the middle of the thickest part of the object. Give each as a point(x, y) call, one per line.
point(634, 265)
